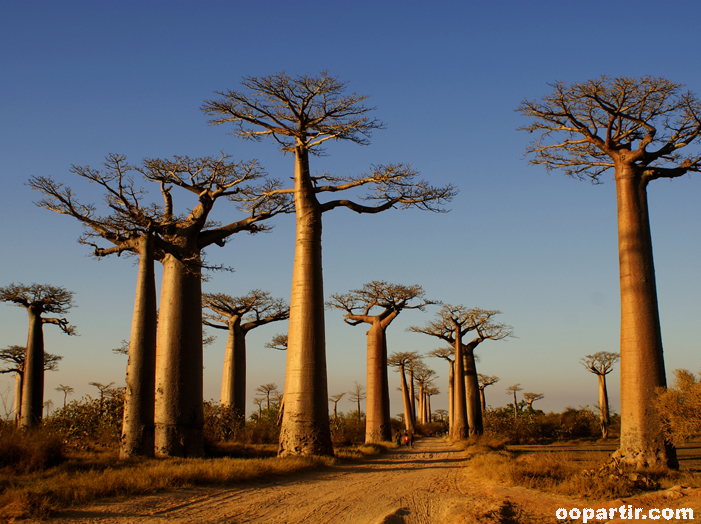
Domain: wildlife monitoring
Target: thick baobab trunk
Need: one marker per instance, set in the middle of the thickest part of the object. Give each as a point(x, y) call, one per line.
point(33, 380)
point(305, 421)
point(422, 407)
point(472, 392)
point(642, 360)
point(451, 393)
point(17, 405)
point(179, 413)
point(408, 420)
point(139, 396)
point(233, 386)
point(458, 424)
point(603, 406)
point(377, 418)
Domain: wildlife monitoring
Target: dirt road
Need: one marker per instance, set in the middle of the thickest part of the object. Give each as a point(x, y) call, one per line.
point(426, 484)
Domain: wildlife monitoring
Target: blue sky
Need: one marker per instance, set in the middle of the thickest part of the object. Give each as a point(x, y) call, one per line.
point(79, 80)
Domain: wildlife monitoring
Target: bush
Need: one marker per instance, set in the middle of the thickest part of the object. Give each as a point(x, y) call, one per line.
point(534, 426)
point(679, 407)
point(90, 419)
point(28, 451)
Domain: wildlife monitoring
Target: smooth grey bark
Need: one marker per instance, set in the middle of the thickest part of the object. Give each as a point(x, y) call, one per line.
point(378, 427)
point(305, 426)
point(179, 414)
point(33, 379)
point(139, 397)
point(642, 359)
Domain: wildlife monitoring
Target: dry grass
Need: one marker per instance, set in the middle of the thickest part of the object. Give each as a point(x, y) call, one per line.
point(82, 479)
point(363, 450)
point(571, 473)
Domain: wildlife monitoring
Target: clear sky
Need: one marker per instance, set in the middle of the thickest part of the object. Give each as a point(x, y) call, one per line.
point(81, 79)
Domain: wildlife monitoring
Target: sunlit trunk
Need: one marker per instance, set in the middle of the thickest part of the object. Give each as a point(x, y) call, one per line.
point(458, 424)
point(472, 394)
point(408, 421)
point(421, 410)
point(233, 388)
point(33, 379)
point(412, 391)
point(377, 418)
point(451, 392)
point(603, 406)
point(642, 361)
point(138, 422)
point(179, 411)
point(305, 421)
point(17, 405)
point(483, 400)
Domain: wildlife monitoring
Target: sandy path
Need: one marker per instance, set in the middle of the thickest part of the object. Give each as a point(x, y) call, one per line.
point(426, 484)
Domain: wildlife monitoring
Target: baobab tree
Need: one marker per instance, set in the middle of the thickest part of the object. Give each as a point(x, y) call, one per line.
point(424, 379)
point(484, 381)
point(378, 304)
point(268, 390)
point(239, 315)
point(302, 114)
point(15, 357)
point(177, 241)
point(335, 398)
point(401, 360)
point(447, 354)
point(601, 364)
point(356, 395)
point(512, 390)
point(38, 300)
point(530, 398)
point(442, 413)
point(452, 324)
point(428, 393)
point(637, 127)
point(67, 390)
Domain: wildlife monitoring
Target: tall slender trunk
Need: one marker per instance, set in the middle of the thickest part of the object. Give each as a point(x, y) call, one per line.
point(472, 396)
point(428, 407)
point(408, 421)
point(233, 388)
point(305, 426)
point(603, 406)
point(458, 425)
point(377, 418)
point(33, 379)
point(138, 422)
point(413, 396)
point(421, 410)
point(483, 400)
point(451, 394)
point(17, 405)
point(515, 406)
point(642, 360)
point(179, 413)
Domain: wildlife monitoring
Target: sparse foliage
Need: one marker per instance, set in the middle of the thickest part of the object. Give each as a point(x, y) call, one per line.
point(601, 364)
point(378, 303)
point(641, 129)
point(38, 300)
point(679, 407)
point(301, 114)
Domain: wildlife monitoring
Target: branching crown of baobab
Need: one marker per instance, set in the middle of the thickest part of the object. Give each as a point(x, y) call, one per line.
point(600, 363)
point(131, 217)
point(15, 355)
point(390, 298)
point(486, 380)
point(646, 121)
point(254, 309)
point(472, 319)
point(42, 298)
point(278, 342)
point(305, 112)
point(444, 353)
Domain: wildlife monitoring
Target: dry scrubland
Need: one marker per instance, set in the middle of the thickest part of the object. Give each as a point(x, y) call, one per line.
point(73, 459)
